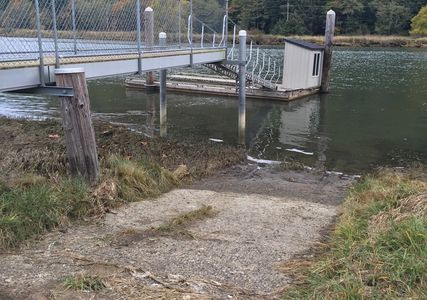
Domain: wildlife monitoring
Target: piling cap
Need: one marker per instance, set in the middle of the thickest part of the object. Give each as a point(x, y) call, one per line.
point(148, 9)
point(242, 33)
point(331, 12)
point(69, 71)
point(162, 35)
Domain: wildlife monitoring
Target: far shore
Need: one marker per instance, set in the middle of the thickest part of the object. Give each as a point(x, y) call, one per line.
point(347, 40)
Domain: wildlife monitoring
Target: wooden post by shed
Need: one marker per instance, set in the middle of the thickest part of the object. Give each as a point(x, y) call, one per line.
point(327, 59)
point(77, 123)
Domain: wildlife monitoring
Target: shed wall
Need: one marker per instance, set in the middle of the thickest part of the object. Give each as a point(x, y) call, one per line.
point(298, 68)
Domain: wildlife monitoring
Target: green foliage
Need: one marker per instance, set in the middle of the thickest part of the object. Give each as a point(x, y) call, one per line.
point(308, 16)
point(295, 25)
point(84, 283)
point(419, 22)
point(377, 250)
point(391, 18)
point(30, 210)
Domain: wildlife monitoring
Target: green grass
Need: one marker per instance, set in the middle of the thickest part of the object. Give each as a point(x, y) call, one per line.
point(30, 210)
point(378, 248)
point(33, 205)
point(37, 194)
point(84, 283)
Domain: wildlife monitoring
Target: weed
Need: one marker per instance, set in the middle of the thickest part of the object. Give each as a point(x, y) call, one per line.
point(378, 247)
point(84, 283)
point(37, 195)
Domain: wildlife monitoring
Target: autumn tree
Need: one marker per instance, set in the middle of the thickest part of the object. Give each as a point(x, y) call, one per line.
point(419, 22)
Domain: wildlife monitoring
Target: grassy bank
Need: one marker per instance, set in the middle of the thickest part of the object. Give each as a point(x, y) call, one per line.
point(378, 247)
point(348, 41)
point(37, 194)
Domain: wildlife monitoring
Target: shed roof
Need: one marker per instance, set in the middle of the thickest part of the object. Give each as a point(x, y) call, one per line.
point(304, 44)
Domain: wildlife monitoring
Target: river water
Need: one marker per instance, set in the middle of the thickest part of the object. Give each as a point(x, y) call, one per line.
point(376, 114)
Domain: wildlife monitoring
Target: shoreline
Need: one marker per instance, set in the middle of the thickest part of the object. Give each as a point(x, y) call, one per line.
point(158, 197)
point(348, 41)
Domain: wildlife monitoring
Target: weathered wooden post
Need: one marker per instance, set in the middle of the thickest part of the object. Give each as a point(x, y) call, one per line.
point(163, 99)
point(242, 86)
point(149, 41)
point(327, 58)
point(77, 123)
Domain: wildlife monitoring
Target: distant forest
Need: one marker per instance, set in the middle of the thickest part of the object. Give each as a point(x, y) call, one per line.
point(307, 17)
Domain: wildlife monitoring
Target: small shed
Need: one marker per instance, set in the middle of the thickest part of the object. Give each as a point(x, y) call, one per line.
point(303, 63)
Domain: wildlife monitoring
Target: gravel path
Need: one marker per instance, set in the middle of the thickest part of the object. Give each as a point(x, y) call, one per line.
point(262, 219)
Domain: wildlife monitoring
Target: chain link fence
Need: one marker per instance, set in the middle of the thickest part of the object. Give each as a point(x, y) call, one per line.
point(33, 28)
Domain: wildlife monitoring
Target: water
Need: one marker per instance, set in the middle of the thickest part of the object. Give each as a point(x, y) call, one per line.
point(376, 114)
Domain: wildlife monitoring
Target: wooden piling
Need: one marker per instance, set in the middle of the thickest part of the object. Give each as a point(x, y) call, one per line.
point(77, 123)
point(149, 40)
point(327, 58)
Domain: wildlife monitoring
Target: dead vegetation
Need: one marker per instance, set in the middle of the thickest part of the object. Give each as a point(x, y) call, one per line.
point(37, 193)
point(347, 41)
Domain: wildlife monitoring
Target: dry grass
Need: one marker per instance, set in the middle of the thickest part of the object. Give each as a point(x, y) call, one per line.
point(38, 195)
point(377, 249)
point(180, 222)
point(349, 41)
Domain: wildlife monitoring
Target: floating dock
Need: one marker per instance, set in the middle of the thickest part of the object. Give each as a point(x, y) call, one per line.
point(219, 86)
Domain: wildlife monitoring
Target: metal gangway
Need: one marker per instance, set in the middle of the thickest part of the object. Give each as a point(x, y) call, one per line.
point(114, 37)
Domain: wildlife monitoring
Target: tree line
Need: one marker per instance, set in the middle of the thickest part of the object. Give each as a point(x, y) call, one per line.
point(302, 17)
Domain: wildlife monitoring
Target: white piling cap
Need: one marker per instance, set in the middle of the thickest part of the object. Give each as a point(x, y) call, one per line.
point(162, 35)
point(331, 12)
point(242, 33)
point(69, 70)
point(148, 9)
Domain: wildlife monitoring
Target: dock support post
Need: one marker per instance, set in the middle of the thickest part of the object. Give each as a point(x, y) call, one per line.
point(77, 123)
point(242, 86)
point(327, 57)
point(149, 40)
point(163, 98)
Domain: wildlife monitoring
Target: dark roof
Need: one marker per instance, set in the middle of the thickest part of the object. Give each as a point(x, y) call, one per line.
point(304, 44)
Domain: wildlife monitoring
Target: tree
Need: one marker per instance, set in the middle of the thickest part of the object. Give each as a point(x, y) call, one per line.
point(295, 25)
point(419, 22)
point(391, 18)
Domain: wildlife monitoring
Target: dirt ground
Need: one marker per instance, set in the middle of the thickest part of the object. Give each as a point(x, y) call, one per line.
point(262, 219)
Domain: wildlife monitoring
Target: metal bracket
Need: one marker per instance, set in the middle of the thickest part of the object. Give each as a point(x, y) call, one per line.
point(48, 90)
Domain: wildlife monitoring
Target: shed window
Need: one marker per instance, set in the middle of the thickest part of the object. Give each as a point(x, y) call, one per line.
point(316, 64)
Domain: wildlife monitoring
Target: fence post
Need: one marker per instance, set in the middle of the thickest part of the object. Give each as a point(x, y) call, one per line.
point(327, 56)
point(226, 29)
point(149, 40)
point(39, 41)
point(191, 33)
point(55, 34)
point(242, 86)
point(163, 89)
point(77, 123)
point(138, 35)
point(179, 23)
point(73, 16)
